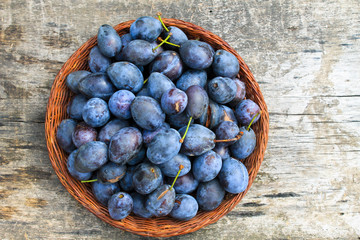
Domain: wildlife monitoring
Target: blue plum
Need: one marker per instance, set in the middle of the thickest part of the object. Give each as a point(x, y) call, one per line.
point(96, 112)
point(198, 101)
point(246, 110)
point(140, 156)
point(209, 195)
point(125, 75)
point(119, 104)
point(185, 184)
point(185, 207)
point(126, 183)
point(158, 84)
point(140, 52)
point(226, 130)
point(243, 147)
point(73, 79)
point(217, 114)
point(227, 114)
point(179, 120)
point(91, 156)
point(192, 77)
point(139, 205)
point(120, 205)
point(234, 176)
point(64, 135)
point(109, 41)
point(71, 168)
point(156, 48)
point(222, 89)
point(146, 178)
point(125, 39)
point(111, 172)
point(109, 130)
point(169, 64)
point(76, 106)
point(147, 113)
point(161, 206)
point(240, 93)
point(225, 64)
point(83, 133)
point(103, 192)
point(171, 167)
point(174, 101)
point(149, 135)
point(141, 68)
point(178, 37)
point(146, 28)
point(196, 54)
point(143, 92)
point(223, 151)
point(212, 116)
point(97, 61)
point(125, 145)
point(206, 166)
point(96, 85)
point(198, 140)
point(164, 146)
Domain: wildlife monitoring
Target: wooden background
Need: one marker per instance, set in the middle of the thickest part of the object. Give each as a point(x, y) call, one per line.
point(304, 53)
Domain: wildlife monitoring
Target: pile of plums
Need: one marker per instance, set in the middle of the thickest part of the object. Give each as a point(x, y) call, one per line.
point(155, 125)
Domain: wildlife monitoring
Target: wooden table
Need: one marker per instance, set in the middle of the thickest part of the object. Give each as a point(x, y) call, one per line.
point(305, 55)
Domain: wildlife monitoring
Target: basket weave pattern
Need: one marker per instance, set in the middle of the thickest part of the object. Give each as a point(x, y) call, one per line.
point(162, 226)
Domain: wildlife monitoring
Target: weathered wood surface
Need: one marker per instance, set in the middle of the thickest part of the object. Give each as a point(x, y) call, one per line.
point(305, 55)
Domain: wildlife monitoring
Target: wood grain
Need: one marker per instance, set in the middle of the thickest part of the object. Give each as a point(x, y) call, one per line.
point(305, 55)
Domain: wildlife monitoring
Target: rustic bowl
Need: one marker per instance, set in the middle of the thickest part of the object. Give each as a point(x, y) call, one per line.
point(162, 226)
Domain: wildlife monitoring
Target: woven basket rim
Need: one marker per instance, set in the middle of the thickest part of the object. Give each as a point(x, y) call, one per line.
point(154, 227)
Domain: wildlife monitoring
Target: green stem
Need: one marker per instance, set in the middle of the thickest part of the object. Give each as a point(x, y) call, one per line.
point(248, 128)
point(162, 42)
point(146, 80)
point(172, 44)
point(86, 181)
point(187, 128)
point(159, 16)
point(237, 137)
point(177, 175)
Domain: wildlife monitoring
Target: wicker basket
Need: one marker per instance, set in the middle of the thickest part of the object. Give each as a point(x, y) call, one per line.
point(163, 226)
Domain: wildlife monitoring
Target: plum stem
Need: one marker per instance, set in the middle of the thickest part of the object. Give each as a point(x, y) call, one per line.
point(162, 42)
point(252, 120)
point(237, 137)
point(86, 181)
point(145, 81)
point(169, 43)
point(159, 17)
point(187, 128)
point(181, 167)
point(153, 171)
point(162, 194)
point(172, 44)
